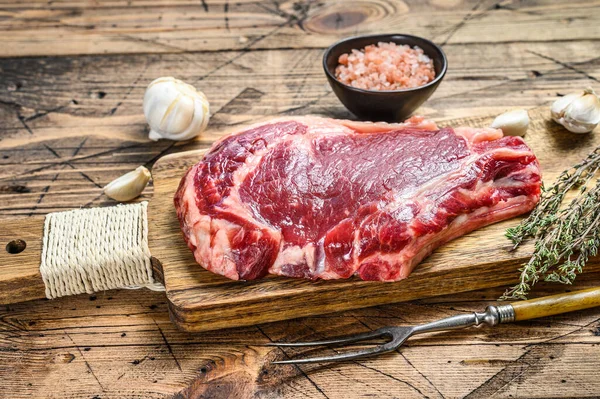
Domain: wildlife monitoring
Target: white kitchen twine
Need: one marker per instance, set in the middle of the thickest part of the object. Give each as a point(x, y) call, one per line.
point(91, 250)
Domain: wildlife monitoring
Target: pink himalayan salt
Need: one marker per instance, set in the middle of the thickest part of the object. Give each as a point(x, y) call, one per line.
point(385, 66)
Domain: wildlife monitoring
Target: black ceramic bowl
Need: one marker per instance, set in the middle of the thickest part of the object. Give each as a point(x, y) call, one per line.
point(389, 106)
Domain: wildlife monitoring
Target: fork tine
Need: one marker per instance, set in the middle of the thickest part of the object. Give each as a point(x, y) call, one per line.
point(341, 340)
point(398, 336)
point(340, 357)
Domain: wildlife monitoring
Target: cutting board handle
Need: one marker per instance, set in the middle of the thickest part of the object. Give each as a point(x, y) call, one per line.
point(87, 251)
point(20, 254)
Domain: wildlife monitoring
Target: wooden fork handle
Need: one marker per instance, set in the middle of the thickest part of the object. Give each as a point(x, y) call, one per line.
point(556, 304)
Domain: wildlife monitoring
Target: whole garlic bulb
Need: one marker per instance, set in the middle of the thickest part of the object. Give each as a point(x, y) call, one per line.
point(175, 110)
point(577, 112)
point(512, 123)
point(128, 186)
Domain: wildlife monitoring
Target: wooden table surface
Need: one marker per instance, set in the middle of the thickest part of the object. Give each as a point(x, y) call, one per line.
point(72, 77)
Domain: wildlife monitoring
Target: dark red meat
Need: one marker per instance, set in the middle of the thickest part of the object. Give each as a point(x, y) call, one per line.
point(321, 198)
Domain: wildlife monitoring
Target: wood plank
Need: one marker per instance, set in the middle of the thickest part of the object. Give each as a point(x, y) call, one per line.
point(101, 103)
point(117, 27)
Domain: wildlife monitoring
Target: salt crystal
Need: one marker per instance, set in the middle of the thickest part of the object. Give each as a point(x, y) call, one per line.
point(385, 66)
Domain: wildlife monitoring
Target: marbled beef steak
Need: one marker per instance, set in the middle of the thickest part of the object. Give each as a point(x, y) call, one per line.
point(322, 198)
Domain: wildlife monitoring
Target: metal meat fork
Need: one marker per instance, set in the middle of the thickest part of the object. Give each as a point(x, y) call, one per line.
point(493, 315)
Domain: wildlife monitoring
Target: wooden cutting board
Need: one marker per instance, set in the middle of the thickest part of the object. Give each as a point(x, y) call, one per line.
point(199, 300)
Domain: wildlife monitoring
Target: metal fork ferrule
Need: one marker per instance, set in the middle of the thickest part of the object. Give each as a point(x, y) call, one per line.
point(495, 315)
point(506, 313)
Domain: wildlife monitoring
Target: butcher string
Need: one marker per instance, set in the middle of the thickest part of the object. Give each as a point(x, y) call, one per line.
point(91, 250)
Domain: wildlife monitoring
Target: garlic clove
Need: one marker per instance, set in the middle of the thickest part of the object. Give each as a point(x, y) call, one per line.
point(128, 186)
point(512, 123)
point(576, 127)
point(175, 110)
point(585, 109)
point(577, 112)
point(558, 107)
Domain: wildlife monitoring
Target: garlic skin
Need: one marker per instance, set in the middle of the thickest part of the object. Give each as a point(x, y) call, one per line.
point(128, 186)
point(512, 123)
point(577, 112)
point(175, 110)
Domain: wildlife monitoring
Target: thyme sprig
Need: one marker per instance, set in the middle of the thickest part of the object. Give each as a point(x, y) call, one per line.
point(565, 237)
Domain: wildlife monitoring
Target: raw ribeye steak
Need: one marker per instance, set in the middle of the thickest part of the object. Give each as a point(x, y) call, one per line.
point(322, 198)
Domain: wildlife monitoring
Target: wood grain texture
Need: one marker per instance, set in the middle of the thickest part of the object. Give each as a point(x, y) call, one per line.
point(184, 27)
point(20, 277)
point(71, 89)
